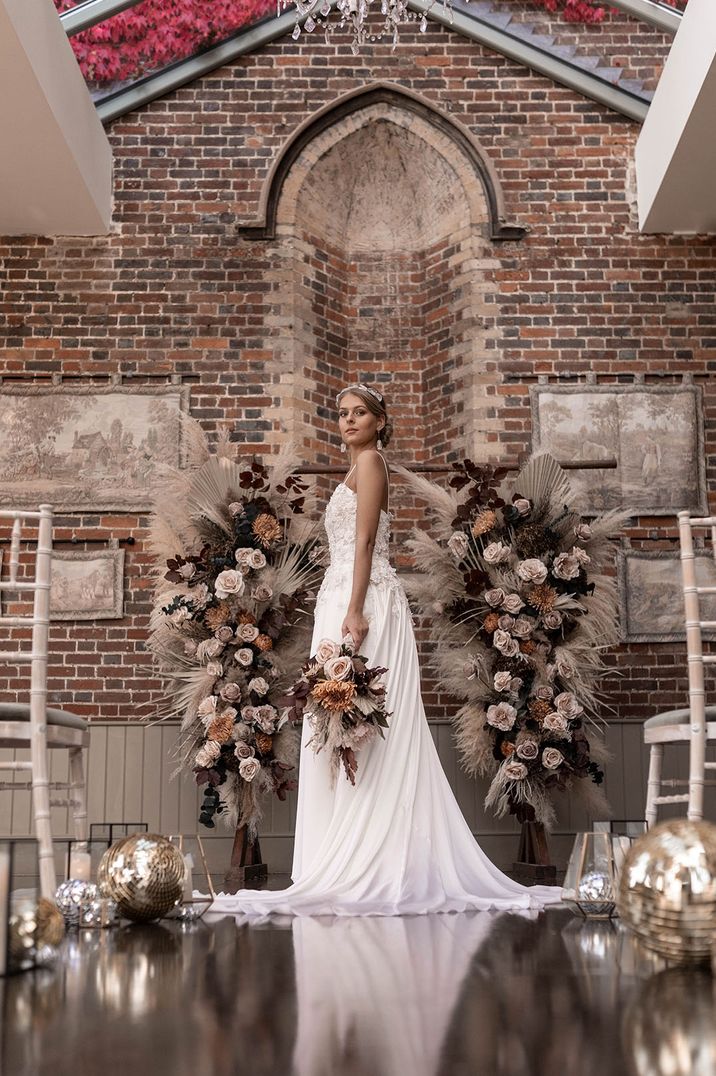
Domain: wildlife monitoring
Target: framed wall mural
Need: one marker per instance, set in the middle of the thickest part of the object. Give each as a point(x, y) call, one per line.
point(87, 585)
point(87, 448)
point(651, 599)
point(654, 431)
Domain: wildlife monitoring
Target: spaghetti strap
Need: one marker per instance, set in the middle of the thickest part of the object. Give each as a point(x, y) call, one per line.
point(387, 475)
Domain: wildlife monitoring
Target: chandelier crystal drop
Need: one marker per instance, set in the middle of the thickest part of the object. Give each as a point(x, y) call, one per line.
point(355, 14)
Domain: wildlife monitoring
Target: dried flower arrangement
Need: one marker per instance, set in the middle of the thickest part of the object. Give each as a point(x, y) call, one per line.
point(237, 567)
point(521, 611)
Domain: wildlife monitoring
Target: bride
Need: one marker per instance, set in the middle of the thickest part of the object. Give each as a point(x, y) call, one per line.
point(396, 843)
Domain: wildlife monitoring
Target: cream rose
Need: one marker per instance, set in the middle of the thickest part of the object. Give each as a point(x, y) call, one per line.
point(187, 571)
point(247, 632)
point(513, 603)
point(583, 532)
point(229, 583)
point(206, 709)
point(248, 768)
point(180, 616)
point(564, 668)
point(339, 668)
point(515, 771)
point(523, 506)
point(501, 716)
point(262, 592)
point(565, 566)
point(259, 685)
point(495, 597)
point(244, 656)
point(248, 715)
point(522, 628)
point(209, 649)
point(496, 553)
point(544, 692)
point(266, 717)
point(506, 622)
point(215, 668)
point(567, 704)
point(257, 560)
point(230, 692)
point(207, 754)
point(457, 544)
point(552, 620)
point(325, 650)
point(502, 681)
point(505, 643)
point(242, 750)
point(190, 647)
point(556, 724)
point(236, 508)
point(581, 556)
point(532, 570)
point(224, 633)
point(552, 758)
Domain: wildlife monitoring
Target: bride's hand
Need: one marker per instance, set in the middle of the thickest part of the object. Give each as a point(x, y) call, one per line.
point(355, 625)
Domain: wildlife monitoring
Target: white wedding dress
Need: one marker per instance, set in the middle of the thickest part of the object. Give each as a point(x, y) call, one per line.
point(396, 843)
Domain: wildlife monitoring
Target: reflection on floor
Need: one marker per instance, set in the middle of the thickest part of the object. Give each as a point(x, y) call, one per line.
point(422, 996)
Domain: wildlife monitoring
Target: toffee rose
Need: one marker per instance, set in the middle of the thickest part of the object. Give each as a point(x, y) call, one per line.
point(522, 628)
point(209, 649)
point(514, 771)
point(259, 685)
point(262, 592)
point(229, 583)
point(496, 553)
point(557, 725)
point(567, 704)
point(553, 620)
point(513, 604)
point(339, 668)
point(224, 633)
point(266, 717)
point(215, 668)
point(248, 768)
point(244, 656)
point(506, 622)
point(532, 570)
point(230, 692)
point(552, 758)
point(248, 715)
point(565, 566)
point(257, 560)
point(501, 716)
point(247, 632)
point(502, 681)
point(243, 750)
point(457, 544)
point(326, 650)
point(495, 597)
point(505, 643)
point(583, 532)
point(528, 750)
point(207, 754)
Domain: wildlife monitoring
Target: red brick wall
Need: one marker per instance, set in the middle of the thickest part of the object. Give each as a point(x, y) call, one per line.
point(173, 290)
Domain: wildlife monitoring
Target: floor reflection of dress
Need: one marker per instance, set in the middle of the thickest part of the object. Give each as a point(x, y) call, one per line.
point(376, 994)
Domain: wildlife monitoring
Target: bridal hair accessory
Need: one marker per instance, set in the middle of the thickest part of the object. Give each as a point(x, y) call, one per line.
point(360, 385)
point(343, 699)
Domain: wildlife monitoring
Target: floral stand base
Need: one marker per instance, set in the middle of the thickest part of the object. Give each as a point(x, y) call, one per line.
point(246, 870)
point(533, 863)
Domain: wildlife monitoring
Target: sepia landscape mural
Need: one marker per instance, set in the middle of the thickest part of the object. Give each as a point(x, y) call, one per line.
point(651, 595)
point(87, 448)
point(87, 585)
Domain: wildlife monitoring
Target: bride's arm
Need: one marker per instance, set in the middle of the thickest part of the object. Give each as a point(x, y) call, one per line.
point(370, 486)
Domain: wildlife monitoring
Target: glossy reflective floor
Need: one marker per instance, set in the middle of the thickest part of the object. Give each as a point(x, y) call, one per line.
point(423, 996)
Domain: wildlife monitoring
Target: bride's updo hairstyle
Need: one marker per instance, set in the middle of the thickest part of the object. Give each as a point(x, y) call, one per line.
point(375, 402)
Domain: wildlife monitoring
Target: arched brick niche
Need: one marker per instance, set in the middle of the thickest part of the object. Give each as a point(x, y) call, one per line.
point(385, 212)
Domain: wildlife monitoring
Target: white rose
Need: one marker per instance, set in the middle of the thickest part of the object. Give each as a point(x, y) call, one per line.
point(187, 571)
point(565, 566)
point(244, 656)
point(180, 615)
point(247, 632)
point(515, 771)
point(457, 544)
point(248, 768)
point(567, 704)
point(495, 597)
point(259, 685)
point(505, 643)
point(532, 570)
point(242, 556)
point(236, 508)
point(502, 681)
point(496, 553)
point(229, 583)
point(257, 560)
point(527, 749)
point(556, 724)
point(262, 592)
point(522, 505)
point(552, 758)
point(224, 633)
point(230, 692)
point(501, 716)
point(513, 603)
point(207, 754)
point(326, 649)
point(522, 628)
point(338, 668)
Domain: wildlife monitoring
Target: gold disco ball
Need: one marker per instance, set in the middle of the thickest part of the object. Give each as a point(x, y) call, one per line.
point(667, 890)
point(143, 874)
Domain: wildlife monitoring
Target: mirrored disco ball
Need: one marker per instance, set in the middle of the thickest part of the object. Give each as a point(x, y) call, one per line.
point(143, 874)
point(667, 891)
point(69, 897)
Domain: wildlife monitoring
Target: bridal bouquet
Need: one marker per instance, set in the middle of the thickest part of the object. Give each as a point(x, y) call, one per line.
point(236, 567)
point(522, 610)
point(344, 701)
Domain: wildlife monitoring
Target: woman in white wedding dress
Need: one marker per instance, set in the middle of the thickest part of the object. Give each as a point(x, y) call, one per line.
point(396, 843)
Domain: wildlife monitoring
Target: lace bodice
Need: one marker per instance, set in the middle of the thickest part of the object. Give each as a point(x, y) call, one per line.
point(340, 525)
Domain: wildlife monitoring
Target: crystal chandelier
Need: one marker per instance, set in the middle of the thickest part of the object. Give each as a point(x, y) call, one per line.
point(354, 13)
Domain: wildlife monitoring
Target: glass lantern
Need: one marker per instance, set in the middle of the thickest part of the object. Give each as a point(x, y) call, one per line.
point(591, 881)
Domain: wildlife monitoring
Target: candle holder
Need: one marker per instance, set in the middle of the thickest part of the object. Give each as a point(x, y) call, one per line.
point(198, 893)
point(591, 881)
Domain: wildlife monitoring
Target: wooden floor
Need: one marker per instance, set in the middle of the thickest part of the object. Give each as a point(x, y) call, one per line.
point(417, 996)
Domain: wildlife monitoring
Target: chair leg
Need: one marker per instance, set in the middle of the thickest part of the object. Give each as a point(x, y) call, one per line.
point(43, 828)
point(653, 787)
point(78, 793)
point(697, 759)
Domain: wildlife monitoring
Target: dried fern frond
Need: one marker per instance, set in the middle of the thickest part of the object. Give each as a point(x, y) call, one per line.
point(443, 503)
